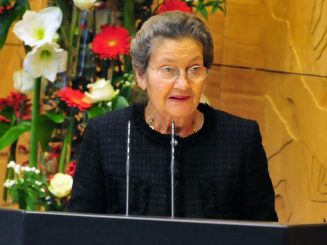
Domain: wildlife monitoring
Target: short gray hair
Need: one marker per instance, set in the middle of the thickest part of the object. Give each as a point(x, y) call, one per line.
point(174, 25)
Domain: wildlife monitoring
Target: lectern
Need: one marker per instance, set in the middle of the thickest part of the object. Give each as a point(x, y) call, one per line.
point(47, 228)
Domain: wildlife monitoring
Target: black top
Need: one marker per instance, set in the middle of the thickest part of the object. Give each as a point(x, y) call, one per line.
point(221, 170)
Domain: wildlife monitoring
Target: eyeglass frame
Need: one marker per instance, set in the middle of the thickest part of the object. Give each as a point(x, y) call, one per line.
point(179, 73)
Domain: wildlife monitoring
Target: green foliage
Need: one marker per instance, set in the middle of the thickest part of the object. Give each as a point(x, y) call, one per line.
point(55, 117)
point(13, 133)
point(10, 16)
point(215, 5)
point(45, 126)
point(96, 111)
point(4, 127)
point(119, 102)
point(29, 188)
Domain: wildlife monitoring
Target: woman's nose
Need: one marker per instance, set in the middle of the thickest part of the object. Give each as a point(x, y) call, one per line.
point(182, 81)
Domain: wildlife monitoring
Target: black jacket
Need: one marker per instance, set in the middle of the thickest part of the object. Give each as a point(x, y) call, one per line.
point(221, 171)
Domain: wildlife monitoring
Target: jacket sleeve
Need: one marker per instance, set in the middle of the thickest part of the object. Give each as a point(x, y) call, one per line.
point(88, 193)
point(257, 191)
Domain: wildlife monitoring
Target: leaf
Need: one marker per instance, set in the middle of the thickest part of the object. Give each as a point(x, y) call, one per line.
point(31, 199)
point(211, 3)
point(204, 13)
point(4, 127)
point(214, 9)
point(13, 133)
point(45, 126)
point(221, 5)
point(8, 17)
point(55, 117)
point(96, 111)
point(202, 9)
point(119, 102)
point(9, 113)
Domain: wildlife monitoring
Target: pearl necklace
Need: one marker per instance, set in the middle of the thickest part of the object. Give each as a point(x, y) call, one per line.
point(150, 122)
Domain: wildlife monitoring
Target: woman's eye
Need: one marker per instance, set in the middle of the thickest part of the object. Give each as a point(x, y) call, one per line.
point(194, 69)
point(167, 69)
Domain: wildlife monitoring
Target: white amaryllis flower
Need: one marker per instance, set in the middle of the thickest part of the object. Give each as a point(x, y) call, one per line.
point(37, 28)
point(101, 90)
point(46, 60)
point(61, 185)
point(23, 81)
point(85, 4)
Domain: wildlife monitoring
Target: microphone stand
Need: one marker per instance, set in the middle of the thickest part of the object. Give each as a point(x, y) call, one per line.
point(172, 169)
point(128, 166)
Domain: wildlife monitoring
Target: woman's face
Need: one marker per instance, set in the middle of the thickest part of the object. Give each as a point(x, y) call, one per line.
point(180, 97)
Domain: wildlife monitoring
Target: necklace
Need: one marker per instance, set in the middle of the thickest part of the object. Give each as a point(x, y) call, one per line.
point(150, 122)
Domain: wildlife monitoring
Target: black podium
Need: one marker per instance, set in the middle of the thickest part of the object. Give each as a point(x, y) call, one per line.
point(47, 228)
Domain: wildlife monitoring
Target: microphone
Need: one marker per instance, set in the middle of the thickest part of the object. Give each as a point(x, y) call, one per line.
point(172, 169)
point(128, 166)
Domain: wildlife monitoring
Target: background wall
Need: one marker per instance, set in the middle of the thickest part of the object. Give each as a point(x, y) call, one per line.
point(270, 65)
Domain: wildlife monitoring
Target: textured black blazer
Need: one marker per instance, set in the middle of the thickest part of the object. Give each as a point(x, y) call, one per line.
point(221, 170)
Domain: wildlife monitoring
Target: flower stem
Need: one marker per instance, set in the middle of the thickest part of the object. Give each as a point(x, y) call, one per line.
point(72, 34)
point(129, 23)
point(129, 16)
point(66, 147)
point(35, 115)
point(10, 171)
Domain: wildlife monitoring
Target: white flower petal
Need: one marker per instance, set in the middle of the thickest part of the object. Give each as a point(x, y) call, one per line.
point(38, 28)
point(85, 4)
point(46, 60)
point(11, 164)
point(23, 81)
point(53, 15)
point(32, 64)
point(101, 90)
point(9, 183)
point(61, 185)
point(17, 169)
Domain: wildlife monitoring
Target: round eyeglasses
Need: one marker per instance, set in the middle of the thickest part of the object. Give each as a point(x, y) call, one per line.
point(170, 73)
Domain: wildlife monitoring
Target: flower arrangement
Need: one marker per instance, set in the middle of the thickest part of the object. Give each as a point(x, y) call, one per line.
point(77, 67)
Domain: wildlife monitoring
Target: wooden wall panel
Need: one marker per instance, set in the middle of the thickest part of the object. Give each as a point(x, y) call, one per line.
point(292, 127)
point(273, 69)
point(283, 35)
point(9, 66)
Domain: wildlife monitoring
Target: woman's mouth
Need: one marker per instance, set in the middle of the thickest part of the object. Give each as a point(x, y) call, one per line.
point(179, 98)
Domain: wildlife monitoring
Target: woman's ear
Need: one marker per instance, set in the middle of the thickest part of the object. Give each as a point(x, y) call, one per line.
point(141, 80)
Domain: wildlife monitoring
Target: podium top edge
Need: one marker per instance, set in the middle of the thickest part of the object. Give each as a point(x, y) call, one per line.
point(168, 219)
point(150, 218)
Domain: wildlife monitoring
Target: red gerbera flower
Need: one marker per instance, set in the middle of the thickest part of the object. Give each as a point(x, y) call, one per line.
point(111, 42)
point(74, 98)
point(174, 5)
point(20, 103)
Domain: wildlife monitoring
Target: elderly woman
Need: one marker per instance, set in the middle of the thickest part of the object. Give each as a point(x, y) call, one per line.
point(220, 165)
